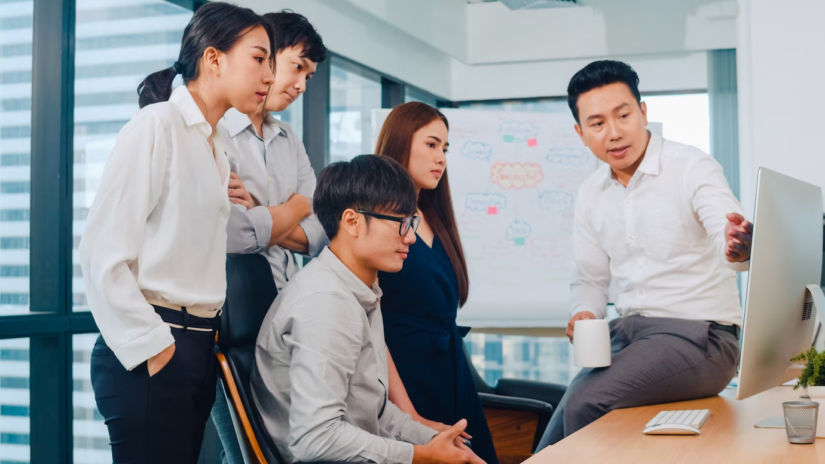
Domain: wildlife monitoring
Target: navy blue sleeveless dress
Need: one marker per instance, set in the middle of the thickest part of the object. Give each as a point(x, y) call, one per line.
point(419, 307)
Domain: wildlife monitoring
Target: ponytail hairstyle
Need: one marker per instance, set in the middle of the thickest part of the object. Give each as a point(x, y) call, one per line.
point(395, 141)
point(215, 24)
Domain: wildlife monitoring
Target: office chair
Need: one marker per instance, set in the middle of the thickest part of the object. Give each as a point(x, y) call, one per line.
point(517, 412)
point(250, 291)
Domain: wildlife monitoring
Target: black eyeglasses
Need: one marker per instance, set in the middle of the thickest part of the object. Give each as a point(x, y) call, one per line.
point(406, 223)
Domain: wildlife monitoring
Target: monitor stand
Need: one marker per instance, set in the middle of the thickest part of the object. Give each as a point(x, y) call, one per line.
point(813, 293)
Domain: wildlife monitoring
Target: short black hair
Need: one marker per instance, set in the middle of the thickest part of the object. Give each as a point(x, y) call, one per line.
point(599, 74)
point(367, 182)
point(292, 29)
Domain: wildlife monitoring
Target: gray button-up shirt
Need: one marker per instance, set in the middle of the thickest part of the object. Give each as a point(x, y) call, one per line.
point(320, 375)
point(272, 169)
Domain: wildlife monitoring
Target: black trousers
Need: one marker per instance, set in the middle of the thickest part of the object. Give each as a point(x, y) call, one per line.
point(159, 419)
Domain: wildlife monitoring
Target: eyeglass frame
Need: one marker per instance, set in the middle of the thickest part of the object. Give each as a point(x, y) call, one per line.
point(414, 221)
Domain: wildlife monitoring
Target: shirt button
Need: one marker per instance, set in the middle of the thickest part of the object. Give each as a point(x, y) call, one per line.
point(632, 237)
point(627, 200)
point(269, 178)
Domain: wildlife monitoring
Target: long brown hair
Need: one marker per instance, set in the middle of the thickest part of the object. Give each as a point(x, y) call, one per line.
point(395, 141)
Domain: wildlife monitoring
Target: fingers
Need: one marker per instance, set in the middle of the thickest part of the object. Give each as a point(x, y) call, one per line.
point(235, 183)
point(735, 218)
point(456, 430)
point(237, 193)
point(233, 175)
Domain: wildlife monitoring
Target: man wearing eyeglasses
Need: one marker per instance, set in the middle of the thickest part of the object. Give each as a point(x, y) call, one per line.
point(320, 375)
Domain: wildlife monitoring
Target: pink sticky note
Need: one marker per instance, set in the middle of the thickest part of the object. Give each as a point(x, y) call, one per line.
point(491, 210)
point(532, 142)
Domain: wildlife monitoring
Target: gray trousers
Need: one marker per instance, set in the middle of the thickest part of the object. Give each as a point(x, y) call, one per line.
point(655, 360)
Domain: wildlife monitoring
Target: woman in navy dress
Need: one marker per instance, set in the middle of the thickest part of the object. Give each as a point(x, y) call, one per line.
point(421, 302)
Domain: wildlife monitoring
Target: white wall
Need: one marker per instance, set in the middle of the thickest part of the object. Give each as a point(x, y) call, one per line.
point(657, 73)
point(781, 72)
point(350, 30)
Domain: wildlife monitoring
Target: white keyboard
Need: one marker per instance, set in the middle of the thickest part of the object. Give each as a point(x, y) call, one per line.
point(686, 422)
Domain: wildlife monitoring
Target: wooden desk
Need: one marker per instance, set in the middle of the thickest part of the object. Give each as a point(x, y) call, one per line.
point(727, 437)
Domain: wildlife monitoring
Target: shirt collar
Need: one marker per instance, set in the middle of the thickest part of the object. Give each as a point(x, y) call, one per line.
point(368, 297)
point(237, 122)
point(650, 163)
point(192, 115)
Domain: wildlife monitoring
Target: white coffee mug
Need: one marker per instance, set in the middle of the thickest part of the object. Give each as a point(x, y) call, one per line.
point(591, 343)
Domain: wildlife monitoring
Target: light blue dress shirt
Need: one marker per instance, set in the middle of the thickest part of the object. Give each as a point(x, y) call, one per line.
point(272, 169)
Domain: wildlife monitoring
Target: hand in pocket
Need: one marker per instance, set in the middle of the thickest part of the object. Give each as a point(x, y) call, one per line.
point(157, 362)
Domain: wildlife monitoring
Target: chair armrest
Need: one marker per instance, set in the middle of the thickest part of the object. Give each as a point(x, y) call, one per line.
point(515, 404)
point(550, 393)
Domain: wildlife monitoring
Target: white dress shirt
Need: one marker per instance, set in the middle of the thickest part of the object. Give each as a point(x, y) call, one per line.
point(272, 170)
point(157, 228)
point(661, 239)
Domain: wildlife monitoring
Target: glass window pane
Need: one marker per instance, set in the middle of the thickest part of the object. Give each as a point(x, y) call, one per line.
point(294, 116)
point(545, 359)
point(116, 47)
point(412, 94)
point(14, 401)
point(91, 438)
point(15, 154)
point(354, 93)
point(684, 118)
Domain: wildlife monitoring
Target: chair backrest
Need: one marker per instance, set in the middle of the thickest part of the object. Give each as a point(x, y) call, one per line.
point(250, 291)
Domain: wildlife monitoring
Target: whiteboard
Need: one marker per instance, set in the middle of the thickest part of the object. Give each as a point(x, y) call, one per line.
point(514, 177)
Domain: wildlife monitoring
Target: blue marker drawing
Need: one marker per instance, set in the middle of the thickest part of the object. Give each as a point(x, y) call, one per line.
point(568, 157)
point(477, 150)
point(516, 131)
point(556, 201)
point(481, 201)
point(518, 230)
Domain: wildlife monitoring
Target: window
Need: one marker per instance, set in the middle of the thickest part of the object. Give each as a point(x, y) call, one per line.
point(412, 94)
point(117, 46)
point(354, 93)
point(685, 118)
point(15, 152)
point(14, 400)
point(91, 437)
point(545, 359)
point(294, 116)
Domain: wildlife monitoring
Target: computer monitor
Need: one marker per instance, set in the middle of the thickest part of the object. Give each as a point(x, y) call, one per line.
point(784, 278)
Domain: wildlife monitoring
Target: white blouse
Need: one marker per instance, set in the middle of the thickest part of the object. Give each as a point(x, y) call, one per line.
point(156, 230)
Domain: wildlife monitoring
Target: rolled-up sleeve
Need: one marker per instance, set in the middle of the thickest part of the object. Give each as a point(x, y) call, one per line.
point(316, 237)
point(325, 336)
point(129, 190)
point(248, 230)
point(591, 274)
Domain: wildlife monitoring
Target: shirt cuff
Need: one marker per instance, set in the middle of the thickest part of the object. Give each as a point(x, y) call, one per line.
point(135, 352)
point(399, 452)
point(316, 237)
point(419, 434)
point(739, 267)
point(261, 221)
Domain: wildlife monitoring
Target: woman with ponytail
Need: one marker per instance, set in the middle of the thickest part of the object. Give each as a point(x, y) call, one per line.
point(420, 303)
point(154, 250)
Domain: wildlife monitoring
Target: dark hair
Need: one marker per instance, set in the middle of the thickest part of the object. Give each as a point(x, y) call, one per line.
point(291, 29)
point(599, 74)
point(215, 24)
point(367, 182)
point(395, 141)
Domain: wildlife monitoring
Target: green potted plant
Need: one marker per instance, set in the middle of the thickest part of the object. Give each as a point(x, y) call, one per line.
point(813, 375)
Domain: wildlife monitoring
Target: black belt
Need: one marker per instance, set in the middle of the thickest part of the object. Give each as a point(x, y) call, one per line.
point(186, 320)
point(733, 329)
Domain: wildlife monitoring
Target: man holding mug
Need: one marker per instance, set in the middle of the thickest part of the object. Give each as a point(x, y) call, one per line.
point(659, 219)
